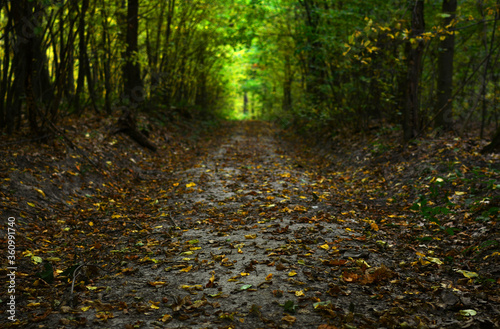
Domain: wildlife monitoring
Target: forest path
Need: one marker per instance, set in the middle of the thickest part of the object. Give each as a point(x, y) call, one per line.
point(258, 244)
point(249, 217)
point(246, 231)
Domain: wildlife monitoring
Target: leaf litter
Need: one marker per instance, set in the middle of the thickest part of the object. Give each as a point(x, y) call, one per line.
point(247, 230)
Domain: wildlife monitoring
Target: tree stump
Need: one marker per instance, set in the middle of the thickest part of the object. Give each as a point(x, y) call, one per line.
point(127, 125)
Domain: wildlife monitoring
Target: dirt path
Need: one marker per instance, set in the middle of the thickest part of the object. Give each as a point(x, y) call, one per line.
point(251, 230)
point(256, 234)
point(246, 237)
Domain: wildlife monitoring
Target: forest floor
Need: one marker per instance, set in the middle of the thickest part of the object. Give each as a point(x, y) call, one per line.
point(240, 227)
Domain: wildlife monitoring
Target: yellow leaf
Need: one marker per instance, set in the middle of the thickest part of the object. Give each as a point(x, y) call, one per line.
point(292, 273)
point(435, 260)
point(244, 274)
point(40, 191)
point(191, 184)
point(468, 274)
point(175, 184)
point(299, 293)
point(91, 223)
point(195, 287)
point(250, 236)
point(269, 277)
point(31, 204)
point(33, 304)
point(157, 283)
point(325, 246)
point(85, 308)
point(166, 318)
point(374, 226)
point(187, 269)
point(459, 193)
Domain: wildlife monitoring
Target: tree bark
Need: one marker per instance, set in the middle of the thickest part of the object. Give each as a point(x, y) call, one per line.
point(444, 112)
point(412, 106)
point(287, 86)
point(133, 87)
point(315, 63)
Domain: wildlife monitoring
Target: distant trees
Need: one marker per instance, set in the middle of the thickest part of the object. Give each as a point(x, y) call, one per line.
point(68, 57)
point(400, 62)
point(314, 64)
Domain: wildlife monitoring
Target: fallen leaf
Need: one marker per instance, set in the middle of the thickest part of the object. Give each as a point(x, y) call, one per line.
point(289, 306)
point(289, 318)
point(299, 293)
point(325, 246)
point(40, 191)
point(468, 312)
point(468, 274)
point(166, 317)
point(186, 269)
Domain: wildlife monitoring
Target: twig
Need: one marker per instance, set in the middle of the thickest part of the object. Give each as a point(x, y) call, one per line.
point(173, 221)
point(76, 272)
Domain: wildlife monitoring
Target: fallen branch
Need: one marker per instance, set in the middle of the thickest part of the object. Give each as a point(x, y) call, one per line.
point(126, 124)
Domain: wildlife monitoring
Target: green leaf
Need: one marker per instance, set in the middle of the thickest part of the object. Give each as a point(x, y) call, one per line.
point(47, 274)
point(443, 15)
point(468, 312)
point(289, 306)
point(322, 304)
point(245, 287)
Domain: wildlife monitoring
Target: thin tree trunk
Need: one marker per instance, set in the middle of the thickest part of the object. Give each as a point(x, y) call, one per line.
point(412, 107)
point(287, 86)
point(82, 55)
point(133, 87)
point(445, 69)
point(5, 113)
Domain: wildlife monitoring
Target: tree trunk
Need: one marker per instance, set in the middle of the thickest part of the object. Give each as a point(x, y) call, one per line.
point(315, 64)
point(444, 114)
point(6, 118)
point(287, 86)
point(133, 87)
point(412, 106)
point(32, 80)
point(106, 44)
point(494, 145)
point(245, 103)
